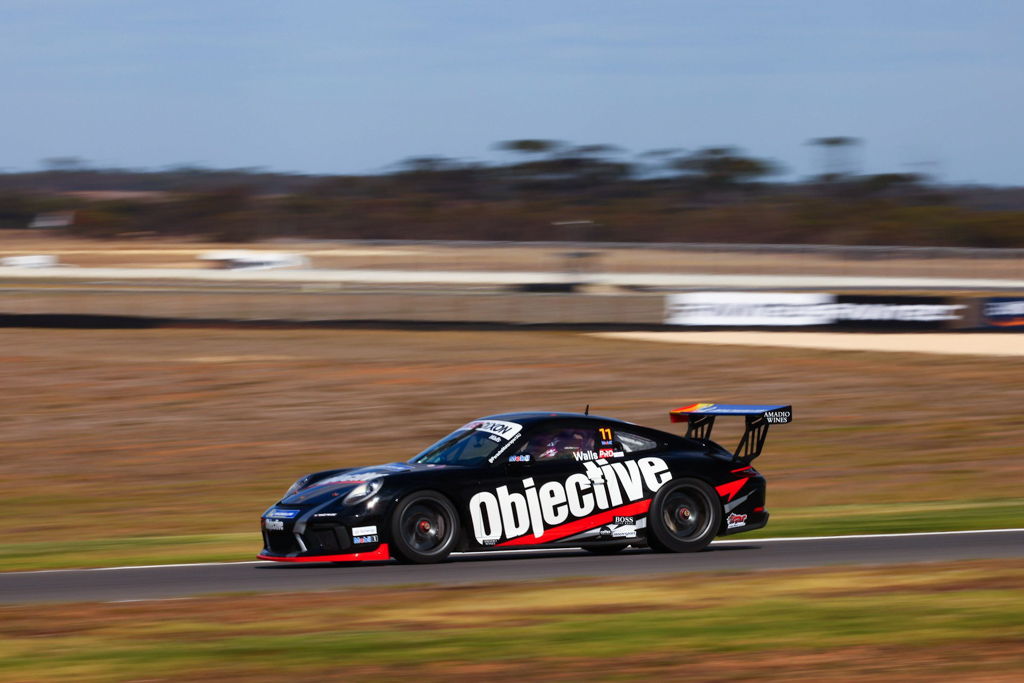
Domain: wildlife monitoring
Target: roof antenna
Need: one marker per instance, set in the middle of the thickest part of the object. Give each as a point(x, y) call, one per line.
point(587, 411)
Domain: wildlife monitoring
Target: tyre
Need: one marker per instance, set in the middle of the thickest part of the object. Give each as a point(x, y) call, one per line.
point(684, 517)
point(605, 549)
point(424, 528)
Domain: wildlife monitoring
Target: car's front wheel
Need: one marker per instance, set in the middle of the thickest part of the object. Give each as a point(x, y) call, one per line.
point(684, 517)
point(424, 528)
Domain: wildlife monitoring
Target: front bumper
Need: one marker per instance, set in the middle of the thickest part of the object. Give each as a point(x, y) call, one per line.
point(381, 553)
point(308, 536)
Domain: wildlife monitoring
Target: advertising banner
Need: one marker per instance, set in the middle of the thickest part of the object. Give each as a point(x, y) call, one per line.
point(1003, 312)
point(746, 308)
point(785, 309)
point(918, 312)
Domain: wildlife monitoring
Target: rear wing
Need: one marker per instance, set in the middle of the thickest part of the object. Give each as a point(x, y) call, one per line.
point(701, 420)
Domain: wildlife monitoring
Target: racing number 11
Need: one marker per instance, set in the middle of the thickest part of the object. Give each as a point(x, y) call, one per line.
point(606, 433)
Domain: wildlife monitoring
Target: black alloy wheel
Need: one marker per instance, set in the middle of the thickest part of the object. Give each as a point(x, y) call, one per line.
point(424, 528)
point(685, 516)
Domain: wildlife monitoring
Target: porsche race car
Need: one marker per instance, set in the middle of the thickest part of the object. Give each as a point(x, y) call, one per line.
point(527, 480)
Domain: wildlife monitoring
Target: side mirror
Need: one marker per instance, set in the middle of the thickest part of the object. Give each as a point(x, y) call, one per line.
point(519, 461)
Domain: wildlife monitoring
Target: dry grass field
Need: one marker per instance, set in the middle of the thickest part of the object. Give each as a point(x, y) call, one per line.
point(176, 433)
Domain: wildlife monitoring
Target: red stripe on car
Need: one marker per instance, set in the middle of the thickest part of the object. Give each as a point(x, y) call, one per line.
point(570, 528)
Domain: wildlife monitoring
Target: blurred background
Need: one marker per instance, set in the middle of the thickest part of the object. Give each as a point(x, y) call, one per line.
point(240, 242)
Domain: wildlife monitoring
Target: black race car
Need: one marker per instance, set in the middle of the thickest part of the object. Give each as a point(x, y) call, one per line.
point(524, 480)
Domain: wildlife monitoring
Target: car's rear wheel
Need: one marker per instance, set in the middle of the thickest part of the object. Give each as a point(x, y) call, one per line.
point(684, 517)
point(424, 528)
point(605, 548)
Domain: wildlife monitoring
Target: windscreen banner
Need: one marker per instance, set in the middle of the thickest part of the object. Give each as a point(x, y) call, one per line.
point(1004, 313)
point(804, 309)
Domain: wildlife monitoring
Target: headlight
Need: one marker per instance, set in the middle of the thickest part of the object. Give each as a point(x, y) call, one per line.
point(363, 491)
point(297, 486)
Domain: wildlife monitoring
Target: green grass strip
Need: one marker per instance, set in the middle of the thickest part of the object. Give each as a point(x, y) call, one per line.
point(190, 648)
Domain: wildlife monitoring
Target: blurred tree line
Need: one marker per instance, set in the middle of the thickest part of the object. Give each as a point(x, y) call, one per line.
point(544, 190)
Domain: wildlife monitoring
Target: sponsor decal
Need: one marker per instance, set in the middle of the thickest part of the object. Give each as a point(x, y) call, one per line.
point(494, 437)
point(778, 416)
point(1004, 312)
point(617, 530)
point(522, 457)
point(278, 513)
point(326, 514)
point(583, 456)
point(624, 531)
point(507, 514)
point(623, 520)
point(273, 525)
point(364, 530)
point(506, 430)
point(799, 309)
point(736, 520)
point(502, 449)
point(364, 539)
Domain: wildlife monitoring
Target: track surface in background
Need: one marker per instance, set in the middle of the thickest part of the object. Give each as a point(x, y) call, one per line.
point(162, 582)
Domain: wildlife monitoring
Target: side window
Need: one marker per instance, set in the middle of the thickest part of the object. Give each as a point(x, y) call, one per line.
point(634, 443)
point(560, 443)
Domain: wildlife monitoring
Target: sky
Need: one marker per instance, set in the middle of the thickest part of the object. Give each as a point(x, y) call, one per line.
point(333, 86)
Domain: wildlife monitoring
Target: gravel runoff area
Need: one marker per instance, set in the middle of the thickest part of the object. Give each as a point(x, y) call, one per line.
point(946, 343)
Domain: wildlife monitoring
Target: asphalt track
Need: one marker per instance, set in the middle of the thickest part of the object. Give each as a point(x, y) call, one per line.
point(121, 584)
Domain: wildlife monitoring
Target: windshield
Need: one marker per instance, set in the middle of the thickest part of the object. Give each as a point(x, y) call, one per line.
point(469, 445)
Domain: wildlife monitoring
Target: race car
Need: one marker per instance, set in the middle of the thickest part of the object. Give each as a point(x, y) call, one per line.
point(535, 479)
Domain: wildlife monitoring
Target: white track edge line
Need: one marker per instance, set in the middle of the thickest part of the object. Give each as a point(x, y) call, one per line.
point(137, 566)
point(748, 541)
point(784, 539)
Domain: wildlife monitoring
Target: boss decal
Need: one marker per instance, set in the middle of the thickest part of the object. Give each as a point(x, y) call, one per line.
point(602, 486)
